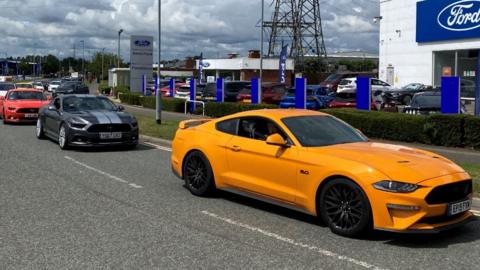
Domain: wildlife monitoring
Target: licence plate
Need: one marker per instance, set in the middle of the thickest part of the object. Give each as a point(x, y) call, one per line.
point(247, 101)
point(110, 136)
point(459, 207)
point(31, 115)
point(210, 98)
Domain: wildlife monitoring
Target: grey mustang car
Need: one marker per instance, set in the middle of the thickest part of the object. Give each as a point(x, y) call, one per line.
point(86, 120)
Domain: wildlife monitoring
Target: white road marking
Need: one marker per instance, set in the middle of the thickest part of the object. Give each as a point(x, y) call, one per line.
point(293, 242)
point(475, 212)
point(113, 177)
point(163, 148)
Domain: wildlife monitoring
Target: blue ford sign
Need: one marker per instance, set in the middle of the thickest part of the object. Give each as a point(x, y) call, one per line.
point(439, 20)
point(142, 43)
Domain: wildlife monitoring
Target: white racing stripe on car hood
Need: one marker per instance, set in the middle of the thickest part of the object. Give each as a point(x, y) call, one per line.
point(101, 117)
point(113, 116)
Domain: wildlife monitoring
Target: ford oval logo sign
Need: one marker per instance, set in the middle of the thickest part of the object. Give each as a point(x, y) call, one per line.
point(460, 16)
point(142, 43)
point(205, 64)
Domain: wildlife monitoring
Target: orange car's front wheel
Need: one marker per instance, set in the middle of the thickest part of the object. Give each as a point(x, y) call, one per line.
point(345, 208)
point(198, 174)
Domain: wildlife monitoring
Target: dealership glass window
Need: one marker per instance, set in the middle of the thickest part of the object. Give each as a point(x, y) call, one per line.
point(457, 63)
point(467, 71)
point(444, 65)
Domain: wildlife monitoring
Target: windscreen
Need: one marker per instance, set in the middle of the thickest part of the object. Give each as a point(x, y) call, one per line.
point(26, 95)
point(74, 103)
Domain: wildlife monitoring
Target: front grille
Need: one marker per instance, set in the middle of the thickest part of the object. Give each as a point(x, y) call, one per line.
point(27, 110)
point(440, 219)
point(450, 193)
point(110, 128)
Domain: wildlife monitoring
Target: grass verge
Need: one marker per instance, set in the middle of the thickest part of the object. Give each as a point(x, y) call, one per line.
point(148, 126)
point(474, 171)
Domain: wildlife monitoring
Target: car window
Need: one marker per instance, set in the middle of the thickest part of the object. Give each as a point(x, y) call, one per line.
point(279, 89)
point(427, 101)
point(376, 82)
point(74, 104)
point(258, 128)
point(228, 126)
point(316, 131)
point(26, 95)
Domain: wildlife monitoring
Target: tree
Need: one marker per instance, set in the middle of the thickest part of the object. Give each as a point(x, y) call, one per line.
point(50, 64)
point(109, 61)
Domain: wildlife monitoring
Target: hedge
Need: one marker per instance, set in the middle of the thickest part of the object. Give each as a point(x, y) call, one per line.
point(212, 109)
point(444, 130)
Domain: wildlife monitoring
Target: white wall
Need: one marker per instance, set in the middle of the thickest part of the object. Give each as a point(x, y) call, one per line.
point(412, 62)
point(244, 64)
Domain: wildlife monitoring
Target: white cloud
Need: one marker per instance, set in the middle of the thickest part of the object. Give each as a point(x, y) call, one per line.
point(214, 27)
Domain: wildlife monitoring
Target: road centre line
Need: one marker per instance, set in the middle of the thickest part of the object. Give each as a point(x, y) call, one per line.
point(113, 177)
point(163, 148)
point(292, 242)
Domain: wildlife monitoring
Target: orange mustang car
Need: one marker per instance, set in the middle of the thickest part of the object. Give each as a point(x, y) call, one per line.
point(313, 162)
point(22, 105)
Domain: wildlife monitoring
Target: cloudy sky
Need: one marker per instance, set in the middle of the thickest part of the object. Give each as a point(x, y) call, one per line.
point(214, 27)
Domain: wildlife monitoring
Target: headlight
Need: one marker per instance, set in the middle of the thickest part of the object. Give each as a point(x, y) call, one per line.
point(12, 108)
point(396, 187)
point(77, 123)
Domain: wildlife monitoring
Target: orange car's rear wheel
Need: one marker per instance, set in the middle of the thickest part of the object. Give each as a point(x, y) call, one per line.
point(198, 174)
point(345, 208)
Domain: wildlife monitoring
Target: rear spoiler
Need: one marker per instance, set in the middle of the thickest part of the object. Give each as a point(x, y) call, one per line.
point(192, 123)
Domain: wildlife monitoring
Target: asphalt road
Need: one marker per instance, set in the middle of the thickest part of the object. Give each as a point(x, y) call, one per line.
point(108, 209)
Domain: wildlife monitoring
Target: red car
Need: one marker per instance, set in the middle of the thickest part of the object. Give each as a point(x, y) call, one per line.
point(380, 102)
point(272, 93)
point(22, 105)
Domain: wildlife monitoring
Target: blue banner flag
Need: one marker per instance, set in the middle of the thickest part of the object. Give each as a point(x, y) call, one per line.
point(364, 93)
point(450, 95)
point(200, 68)
point(282, 69)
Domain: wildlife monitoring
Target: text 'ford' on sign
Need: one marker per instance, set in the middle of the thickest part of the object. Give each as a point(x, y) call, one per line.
point(142, 43)
point(460, 16)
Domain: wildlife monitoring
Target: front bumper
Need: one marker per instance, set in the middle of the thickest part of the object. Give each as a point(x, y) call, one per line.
point(83, 138)
point(15, 117)
point(422, 217)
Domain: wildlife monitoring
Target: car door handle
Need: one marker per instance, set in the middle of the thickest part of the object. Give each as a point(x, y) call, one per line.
point(236, 148)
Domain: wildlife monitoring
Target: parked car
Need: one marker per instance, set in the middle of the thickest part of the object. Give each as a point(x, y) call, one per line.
point(22, 105)
point(24, 85)
point(330, 84)
point(4, 87)
point(316, 98)
point(346, 99)
point(348, 84)
point(183, 92)
point(405, 94)
point(232, 89)
point(426, 103)
point(85, 121)
point(71, 87)
point(272, 93)
point(53, 85)
point(381, 101)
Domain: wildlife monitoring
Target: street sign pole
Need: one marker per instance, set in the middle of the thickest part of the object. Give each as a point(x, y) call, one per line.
point(158, 114)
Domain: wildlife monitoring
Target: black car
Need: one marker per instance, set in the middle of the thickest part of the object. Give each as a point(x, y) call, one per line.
point(405, 94)
point(232, 89)
point(86, 120)
point(425, 103)
point(71, 87)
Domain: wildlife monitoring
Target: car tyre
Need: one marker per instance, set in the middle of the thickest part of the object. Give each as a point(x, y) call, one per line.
point(63, 137)
point(39, 131)
point(345, 208)
point(198, 174)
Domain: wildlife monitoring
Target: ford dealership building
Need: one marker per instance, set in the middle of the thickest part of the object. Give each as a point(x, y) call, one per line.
point(421, 41)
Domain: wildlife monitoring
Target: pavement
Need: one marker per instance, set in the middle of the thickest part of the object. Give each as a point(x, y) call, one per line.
point(117, 209)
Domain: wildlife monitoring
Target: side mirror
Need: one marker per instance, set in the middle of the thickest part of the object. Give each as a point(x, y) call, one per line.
point(277, 139)
point(52, 108)
point(121, 108)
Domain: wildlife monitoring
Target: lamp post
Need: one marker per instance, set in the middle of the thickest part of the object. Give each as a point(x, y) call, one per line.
point(158, 94)
point(83, 58)
point(103, 57)
point(118, 54)
point(261, 42)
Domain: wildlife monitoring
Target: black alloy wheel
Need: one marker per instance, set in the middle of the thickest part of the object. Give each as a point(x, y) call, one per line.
point(198, 174)
point(345, 208)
